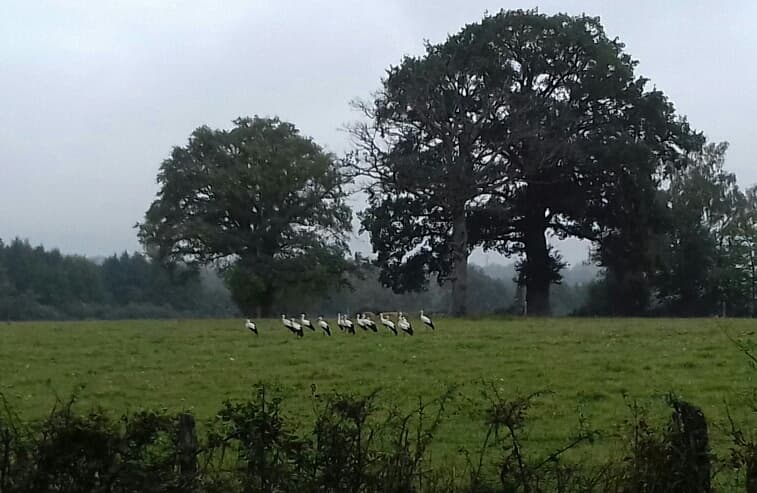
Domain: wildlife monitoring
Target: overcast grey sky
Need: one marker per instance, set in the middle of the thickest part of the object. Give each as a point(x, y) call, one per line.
point(93, 94)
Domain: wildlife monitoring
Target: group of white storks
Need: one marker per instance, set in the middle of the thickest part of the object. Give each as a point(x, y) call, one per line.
point(298, 326)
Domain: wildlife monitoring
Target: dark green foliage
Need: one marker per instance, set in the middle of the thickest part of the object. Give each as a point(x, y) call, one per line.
point(269, 455)
point(69, 452)
point(703, 201)
point(516, 127)
point(344, 442)
point(584, 136)
point(38, 284)
point(675, 459)
point(696, 257)
point(259, 200)
point(354, 446)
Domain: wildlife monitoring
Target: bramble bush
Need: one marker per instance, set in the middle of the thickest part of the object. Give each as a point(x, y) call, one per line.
point(354, 445)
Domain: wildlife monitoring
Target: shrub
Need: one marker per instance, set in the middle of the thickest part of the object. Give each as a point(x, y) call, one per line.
point(354, 446)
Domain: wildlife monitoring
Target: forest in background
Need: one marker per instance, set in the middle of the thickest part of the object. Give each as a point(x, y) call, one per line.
point(40, 284)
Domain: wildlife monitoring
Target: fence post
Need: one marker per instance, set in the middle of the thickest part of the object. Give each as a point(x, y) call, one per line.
point(690, 454)
point(188, 448)
point(751, 476)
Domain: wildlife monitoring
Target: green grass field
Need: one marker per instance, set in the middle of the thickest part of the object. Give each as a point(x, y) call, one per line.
point(587, 365)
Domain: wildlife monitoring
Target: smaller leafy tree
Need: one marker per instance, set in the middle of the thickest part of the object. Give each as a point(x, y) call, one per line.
point(686, 249)
point(262, 202)
point(744, 237)
point(699, 271)
point(734, 285)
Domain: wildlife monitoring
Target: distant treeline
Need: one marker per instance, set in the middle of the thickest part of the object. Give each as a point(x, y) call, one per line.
point(37, 284)
point(44, 284)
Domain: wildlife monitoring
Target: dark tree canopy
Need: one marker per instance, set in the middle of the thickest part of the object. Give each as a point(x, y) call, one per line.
point(520, 126)
point(582, 136)
point(261, 201)
point(426, 151)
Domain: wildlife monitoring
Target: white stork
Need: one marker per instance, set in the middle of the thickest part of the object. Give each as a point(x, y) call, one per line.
point(305, 322)
point(365, 322)
point(387, 323)
point(324, 325)
point(249, 324)
point(427, 320)
point(404, 325)
point(340, 321)
point(296, 327)
point(291, 325)
point(348, 325)
point(369, 323)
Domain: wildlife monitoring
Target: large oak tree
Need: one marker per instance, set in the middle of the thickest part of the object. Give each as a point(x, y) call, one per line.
point(260, 200)
point(518, 127)
point(426, 155)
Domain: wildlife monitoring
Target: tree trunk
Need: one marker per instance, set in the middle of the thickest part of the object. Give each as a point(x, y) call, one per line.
point(459, 264)
point(537, 267)
point(265, 303)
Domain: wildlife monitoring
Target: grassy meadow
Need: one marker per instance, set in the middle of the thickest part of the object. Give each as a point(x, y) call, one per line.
point(587, 365)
